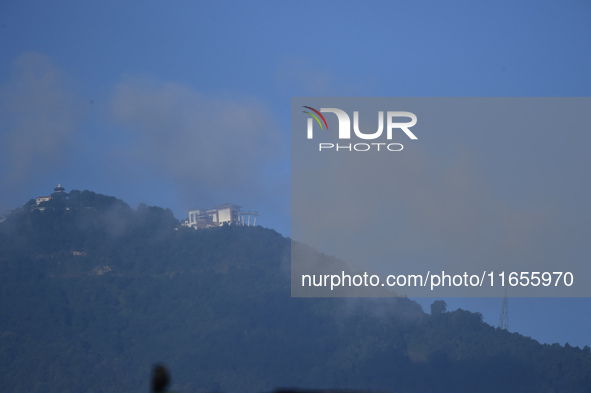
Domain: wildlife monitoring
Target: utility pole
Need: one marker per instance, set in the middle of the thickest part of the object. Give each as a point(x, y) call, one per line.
point(504, 318)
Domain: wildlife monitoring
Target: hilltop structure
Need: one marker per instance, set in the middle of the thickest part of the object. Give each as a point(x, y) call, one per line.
point(58, 194)
point(227, 213)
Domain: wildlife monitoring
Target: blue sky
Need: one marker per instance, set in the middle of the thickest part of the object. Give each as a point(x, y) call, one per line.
point(184, 104)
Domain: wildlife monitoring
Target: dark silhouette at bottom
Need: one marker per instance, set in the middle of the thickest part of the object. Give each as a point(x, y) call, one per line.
point(160, 378)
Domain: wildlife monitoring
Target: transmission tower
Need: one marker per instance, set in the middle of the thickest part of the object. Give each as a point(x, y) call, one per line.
point(504, 318)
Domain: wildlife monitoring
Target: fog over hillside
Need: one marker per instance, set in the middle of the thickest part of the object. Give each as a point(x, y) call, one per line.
point(95, 292)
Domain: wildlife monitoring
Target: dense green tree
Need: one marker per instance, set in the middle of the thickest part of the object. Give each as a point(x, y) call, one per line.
point(438, 307)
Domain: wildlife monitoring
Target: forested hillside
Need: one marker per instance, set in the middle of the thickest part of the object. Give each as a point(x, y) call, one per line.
point(93, 295)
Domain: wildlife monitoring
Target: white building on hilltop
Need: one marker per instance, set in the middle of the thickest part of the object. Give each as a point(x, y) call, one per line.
point(58, 194)
point(228, 213)
point(42, 199)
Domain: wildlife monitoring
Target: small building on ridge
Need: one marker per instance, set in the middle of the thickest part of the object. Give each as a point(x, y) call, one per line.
point(227, 213)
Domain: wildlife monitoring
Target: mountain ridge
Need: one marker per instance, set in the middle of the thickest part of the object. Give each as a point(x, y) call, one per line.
point(94, 295)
